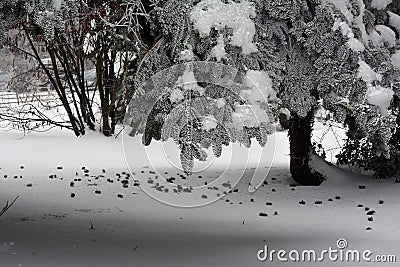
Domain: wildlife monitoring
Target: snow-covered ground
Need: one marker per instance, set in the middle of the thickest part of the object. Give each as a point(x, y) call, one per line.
point(107, 224)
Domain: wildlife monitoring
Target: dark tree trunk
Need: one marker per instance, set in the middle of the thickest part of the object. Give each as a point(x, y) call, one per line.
point(101, 75)
point(300, 150)
point(283, 121)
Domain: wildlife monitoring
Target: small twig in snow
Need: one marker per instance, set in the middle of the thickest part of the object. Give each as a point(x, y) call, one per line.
point(8, 206)
point(123, 128)
point(91, 225)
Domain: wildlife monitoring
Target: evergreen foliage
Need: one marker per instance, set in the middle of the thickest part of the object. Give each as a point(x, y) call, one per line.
point(373, 138)
point(312, 50)
point(46, 17)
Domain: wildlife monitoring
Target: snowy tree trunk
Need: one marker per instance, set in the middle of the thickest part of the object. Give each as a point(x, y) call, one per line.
point(300, 150)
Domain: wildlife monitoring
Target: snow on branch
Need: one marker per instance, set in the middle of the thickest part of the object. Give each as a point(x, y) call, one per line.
point(133, 11)
point(210, 14)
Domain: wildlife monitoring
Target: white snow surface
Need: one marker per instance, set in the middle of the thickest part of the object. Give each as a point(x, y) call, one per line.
point(344, 7)
point(353, 43)
point(367, 74)
point(187, 55)
point(258, 86)
point(176, 95)
point(381, 97)
point(214, 14)
point(249, 116)
point(376, 95)
point(386, 34)
point(188, 82)
point(218, 51)
point(376, 39)
point(209, 122)
point(220, 102)
point(57, 4)
point(394, 20)
point(396, 59)
point(380, 4)
point(46, 227)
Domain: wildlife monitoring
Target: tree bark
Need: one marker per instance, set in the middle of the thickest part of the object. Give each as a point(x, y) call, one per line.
point(300, 151)
point(106, 128)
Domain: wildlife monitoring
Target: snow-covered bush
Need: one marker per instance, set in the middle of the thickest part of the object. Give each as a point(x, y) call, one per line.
point(45, 16)
point(76, 36)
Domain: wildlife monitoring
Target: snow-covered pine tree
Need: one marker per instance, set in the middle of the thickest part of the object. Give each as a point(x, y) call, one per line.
point(204, 104)
point(315, 52)
point(374, 131)
point(346, 60)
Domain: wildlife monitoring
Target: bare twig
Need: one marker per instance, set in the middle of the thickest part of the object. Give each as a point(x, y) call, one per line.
point(7, 206)
point(91, 225)
point(123, 128)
